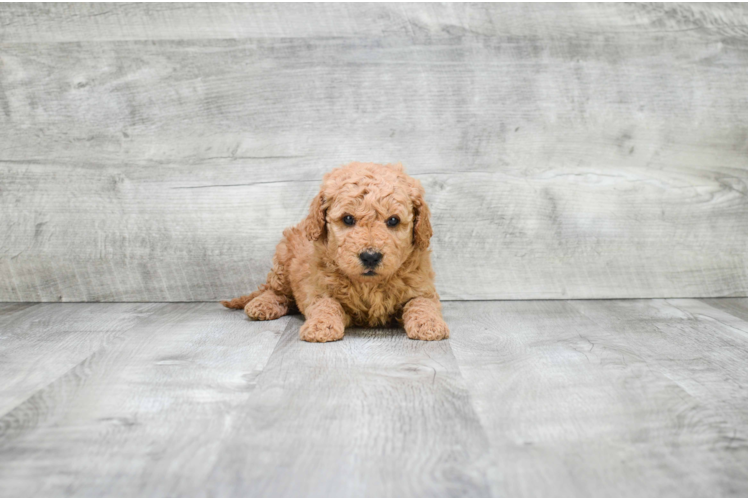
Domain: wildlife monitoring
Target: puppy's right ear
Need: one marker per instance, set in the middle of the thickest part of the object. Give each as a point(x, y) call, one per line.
point(314, 225)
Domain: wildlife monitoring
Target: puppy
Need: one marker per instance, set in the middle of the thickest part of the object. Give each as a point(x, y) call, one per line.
point(361, 257)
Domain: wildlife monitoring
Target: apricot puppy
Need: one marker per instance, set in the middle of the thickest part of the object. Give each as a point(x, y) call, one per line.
point(361, 257)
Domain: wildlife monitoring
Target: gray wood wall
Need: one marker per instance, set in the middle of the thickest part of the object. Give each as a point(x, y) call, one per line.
point(155, 152)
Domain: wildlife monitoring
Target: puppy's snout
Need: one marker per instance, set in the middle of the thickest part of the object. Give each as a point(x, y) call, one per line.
point(370, 259)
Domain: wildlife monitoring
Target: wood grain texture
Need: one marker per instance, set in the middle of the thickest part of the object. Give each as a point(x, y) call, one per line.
point(10, 309)
point(142, 415)
point(61, 22)
point(543, 398)
point(156, 152)
point(374, 415)
point(607, 398)
point(40, 344)
point(706, 353)
point(735, 307)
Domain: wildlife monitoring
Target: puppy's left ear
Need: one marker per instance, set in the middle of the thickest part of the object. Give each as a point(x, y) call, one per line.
point(421, 216)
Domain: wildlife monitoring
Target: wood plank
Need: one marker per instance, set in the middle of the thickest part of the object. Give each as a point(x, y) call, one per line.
point(699, 347)
point(142, 416)
point(558, 164)
point(40, 344)
point(37, 23)
point(11, 308)
point(580, 398)
point(736, 307)
point(375, 414)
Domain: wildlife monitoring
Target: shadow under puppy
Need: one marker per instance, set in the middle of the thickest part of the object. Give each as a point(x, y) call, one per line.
point(361, 258)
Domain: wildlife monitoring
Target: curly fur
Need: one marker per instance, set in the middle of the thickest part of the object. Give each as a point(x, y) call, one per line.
point(316, 267)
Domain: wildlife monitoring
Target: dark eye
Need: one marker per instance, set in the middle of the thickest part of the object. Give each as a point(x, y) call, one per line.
point(393, 221)
point(348, 220)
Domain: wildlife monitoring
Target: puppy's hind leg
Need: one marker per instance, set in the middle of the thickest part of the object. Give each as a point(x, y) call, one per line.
point(240, 302)
point(268, 305)
point(274, 298)
point(271, 300)
point(263, 304)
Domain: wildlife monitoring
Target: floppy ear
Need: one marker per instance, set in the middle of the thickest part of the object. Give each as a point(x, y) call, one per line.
point(421, 217)
point(314, 225)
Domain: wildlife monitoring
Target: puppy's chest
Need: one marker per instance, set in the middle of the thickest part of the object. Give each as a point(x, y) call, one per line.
point(371, 307)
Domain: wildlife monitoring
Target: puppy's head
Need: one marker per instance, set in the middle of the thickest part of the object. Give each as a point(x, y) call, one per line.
point(368, 219)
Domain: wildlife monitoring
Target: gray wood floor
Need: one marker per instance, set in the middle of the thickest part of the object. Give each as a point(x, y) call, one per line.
point(548, 398)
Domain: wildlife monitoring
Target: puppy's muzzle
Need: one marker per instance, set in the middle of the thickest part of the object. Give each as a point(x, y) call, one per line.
point(370, 259)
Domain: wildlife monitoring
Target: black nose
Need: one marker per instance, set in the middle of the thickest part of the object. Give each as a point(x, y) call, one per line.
point(370, 259)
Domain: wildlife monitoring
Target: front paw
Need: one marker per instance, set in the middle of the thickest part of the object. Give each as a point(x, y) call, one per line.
point(426, 328)
point(322, 330)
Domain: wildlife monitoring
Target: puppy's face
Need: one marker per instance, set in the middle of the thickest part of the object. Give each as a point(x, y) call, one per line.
point(372, 217)
point(369, 231)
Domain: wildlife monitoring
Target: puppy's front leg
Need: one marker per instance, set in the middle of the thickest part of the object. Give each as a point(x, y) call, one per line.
point(422, 319)
point(325, 321)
